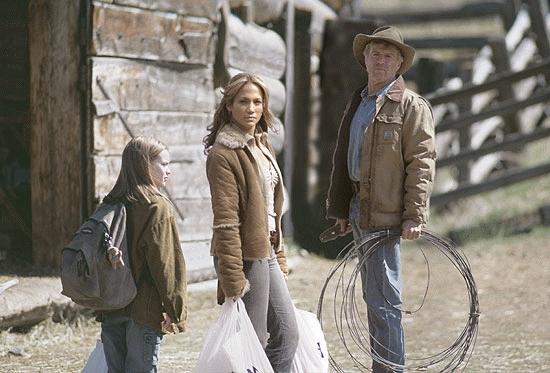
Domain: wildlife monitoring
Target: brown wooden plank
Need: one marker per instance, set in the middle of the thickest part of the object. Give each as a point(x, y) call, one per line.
point(277, 93)
point(197, 223)
point(188, 179)
point(173, 129)
point(199, 8)
point(55, 126)
point(198, 260)
point(136, 85)
point(119, 31)
point(249, 47)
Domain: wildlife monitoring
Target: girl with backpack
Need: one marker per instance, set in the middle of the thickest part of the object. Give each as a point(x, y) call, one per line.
point(131, 336)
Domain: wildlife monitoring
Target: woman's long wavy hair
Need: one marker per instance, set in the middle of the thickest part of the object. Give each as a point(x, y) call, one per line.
point(135, 182)
point(222, 116)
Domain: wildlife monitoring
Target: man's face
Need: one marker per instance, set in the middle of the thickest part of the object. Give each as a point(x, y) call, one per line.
point(382, 61)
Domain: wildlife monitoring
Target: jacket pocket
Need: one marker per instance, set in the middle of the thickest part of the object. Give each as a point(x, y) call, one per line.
point(389, 129)
point(388, 165)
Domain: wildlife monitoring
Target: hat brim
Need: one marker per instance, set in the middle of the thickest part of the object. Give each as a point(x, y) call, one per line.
point(361, 40)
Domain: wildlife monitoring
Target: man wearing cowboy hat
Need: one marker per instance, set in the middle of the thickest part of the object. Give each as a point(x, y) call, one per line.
point(382, 176)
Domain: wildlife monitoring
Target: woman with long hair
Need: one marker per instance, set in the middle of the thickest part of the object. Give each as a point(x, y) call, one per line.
point(131, 336)
point(246, 188)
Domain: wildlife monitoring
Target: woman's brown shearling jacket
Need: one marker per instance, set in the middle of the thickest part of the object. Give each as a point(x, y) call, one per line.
point(240, 228)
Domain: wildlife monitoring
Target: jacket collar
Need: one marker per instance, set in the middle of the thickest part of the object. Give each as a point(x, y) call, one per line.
point(233, 138)
point(396, 91)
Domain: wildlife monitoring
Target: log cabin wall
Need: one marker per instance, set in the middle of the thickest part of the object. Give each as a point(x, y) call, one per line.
point(151, 69)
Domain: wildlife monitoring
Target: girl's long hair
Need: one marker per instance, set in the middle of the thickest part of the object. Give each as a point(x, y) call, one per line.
point(222, 116)
point(135, 182)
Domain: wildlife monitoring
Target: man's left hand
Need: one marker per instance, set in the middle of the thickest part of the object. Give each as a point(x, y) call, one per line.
point(410, 230)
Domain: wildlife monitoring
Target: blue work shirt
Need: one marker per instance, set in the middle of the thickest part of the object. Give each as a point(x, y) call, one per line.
point(361, 119)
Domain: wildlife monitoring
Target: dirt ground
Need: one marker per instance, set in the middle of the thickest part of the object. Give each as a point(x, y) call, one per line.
point(514, 335)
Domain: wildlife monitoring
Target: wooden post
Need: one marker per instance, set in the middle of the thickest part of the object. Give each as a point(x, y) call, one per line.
point(538, 11)
point(501, 60)
point(55, 126)
point(288, 155)
point(464, 138)
point(301, 118)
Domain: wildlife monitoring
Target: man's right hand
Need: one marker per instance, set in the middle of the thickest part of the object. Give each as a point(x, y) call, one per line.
point(345, 226)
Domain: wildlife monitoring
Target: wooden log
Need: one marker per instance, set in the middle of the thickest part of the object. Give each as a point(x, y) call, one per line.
point(188, 179)
point(173, 129)
point(140, 86)
point(197, 219)
point(263, 11)
point(120, 32)
point(198, 260)
point(277, 93)
point(31, 301)
point(249, 47)
point(492, 184)
point(55, 126)
point(198, 8)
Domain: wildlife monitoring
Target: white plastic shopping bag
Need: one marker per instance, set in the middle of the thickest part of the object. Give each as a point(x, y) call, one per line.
point(231, 344)
point(311, 354)
point(96, 362)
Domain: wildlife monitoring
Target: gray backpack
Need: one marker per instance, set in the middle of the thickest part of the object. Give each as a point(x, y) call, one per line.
point(86, 273)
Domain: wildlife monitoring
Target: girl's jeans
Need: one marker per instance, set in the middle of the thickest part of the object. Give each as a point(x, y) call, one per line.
point(129, 346)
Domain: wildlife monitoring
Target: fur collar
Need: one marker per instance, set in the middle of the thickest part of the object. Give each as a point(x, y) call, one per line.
point(233, 138)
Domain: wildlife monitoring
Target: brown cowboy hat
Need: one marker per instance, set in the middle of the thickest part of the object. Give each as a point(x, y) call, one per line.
point(389, 34)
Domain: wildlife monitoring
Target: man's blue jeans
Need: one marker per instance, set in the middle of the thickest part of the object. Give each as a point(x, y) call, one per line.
point(129, 347)
point(381, 281)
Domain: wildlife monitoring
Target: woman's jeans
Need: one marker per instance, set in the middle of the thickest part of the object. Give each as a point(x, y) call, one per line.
point(381, 281)
point(129, 347)
point(271, 311)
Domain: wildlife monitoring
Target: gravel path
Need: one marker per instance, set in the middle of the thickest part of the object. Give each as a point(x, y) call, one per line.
point(512, 279)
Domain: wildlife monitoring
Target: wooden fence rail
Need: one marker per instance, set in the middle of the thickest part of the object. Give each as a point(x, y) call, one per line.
point(510, 142)
point(495, 82)
point(501, 109)
point(491, 184)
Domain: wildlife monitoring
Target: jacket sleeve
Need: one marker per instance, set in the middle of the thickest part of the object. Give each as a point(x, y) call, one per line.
point(166, 263)
point(340, 190)
point(226, 226)
point(419, 159)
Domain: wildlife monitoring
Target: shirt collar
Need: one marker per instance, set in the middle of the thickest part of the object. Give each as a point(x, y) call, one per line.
point(381, 92)
point(248, 138)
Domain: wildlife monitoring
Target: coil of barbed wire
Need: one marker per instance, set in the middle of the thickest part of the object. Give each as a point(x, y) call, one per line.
point(352, 328)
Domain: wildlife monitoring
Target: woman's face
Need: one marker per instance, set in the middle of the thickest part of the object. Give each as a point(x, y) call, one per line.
point(160, 169)
point(247, 107)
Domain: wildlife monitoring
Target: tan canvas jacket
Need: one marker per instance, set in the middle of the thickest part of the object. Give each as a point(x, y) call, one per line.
point(240, 228)
point(157, 264)
point(397, 161)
